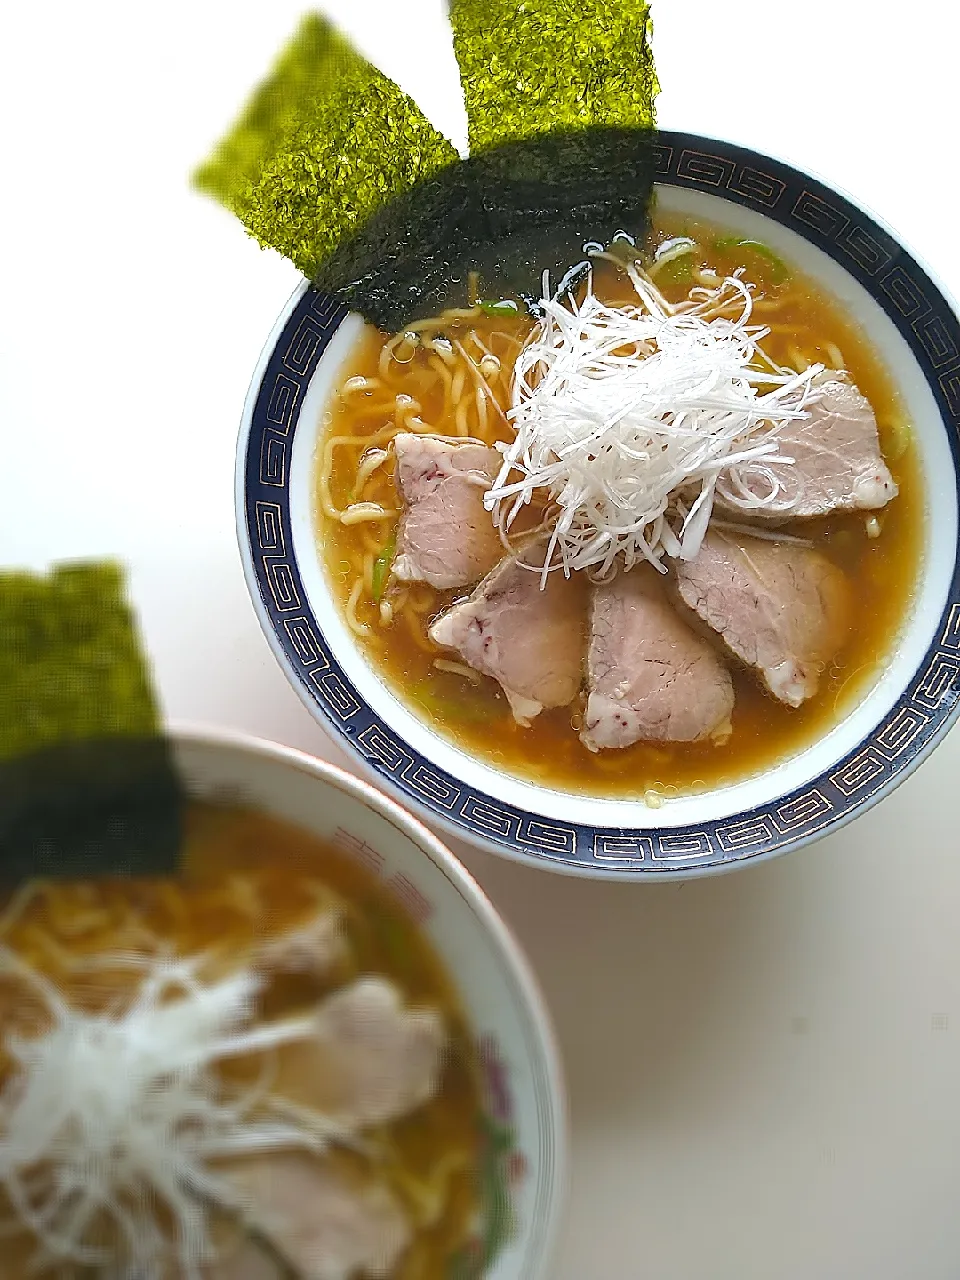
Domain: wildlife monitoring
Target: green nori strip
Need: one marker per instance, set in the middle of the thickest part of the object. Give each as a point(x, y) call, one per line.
point(87, 781)
point(530, 67)
point(508, 214)
point(323, 142)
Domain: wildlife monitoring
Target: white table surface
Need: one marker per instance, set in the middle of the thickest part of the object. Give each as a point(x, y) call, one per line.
point(763, 1068)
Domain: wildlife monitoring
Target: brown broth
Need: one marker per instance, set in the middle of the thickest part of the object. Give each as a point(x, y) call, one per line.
point(883, 571)
point(247, 877)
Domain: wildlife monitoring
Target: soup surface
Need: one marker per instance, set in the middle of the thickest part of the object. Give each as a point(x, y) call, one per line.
point(392, 385)
point(248, 882)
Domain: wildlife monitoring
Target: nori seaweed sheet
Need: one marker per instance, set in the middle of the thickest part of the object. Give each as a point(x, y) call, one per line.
point(87, 781)
point(323, 143)
point(530, 67)
point(508, 213)
point(332, 165)
point(82, 810)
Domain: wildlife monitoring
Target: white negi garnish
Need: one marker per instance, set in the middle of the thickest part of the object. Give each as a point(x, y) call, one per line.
point(106, 1116)
point(630, 420)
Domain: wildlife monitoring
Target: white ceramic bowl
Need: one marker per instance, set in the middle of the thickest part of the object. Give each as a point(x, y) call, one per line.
point(499, 994)
point(910, 323)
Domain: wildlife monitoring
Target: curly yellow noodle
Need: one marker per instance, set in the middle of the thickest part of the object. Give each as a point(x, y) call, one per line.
point(371, 538)
point(446, 378)
point(327, 504)
point(477, 376)
point(477, 341)
point(356, 626)
point(459, 378)
point(463, 427)
point(414, 624)
point(421, 600)
point(481, 413)
point(388, 355)
point(418, 426)
point(448, 317)
point(797, 358)
point(457, 669)
point(371, 461)
point(366, 513)
point(356, 385)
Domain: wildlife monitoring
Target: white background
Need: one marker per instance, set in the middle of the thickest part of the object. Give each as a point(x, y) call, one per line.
point(763, 1069)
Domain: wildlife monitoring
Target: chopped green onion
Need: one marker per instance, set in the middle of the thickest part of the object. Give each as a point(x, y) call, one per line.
point(780, 272)
point(760, 250)
point(895, 440)
point(677, 270)
point(505, 307)
point(381, 569)
point(462, 710)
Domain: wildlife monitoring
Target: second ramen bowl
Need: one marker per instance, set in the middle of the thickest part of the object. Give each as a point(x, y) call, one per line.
point(914, 329)
point(524, 1104)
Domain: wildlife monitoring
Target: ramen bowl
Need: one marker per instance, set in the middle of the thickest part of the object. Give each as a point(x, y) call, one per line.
point(523, 1089)
point(913, 328)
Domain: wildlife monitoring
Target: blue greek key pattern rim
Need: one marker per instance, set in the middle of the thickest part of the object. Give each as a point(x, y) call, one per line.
point(916, 723)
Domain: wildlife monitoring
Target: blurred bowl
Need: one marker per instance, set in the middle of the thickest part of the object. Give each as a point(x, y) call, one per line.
point(524, 1087)
point(912, 326)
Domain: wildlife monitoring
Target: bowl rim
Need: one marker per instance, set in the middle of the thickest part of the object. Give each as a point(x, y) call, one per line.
point(530, 995)
point(751, 839)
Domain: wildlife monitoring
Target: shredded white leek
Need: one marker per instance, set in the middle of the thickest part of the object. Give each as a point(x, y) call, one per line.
point(632, 419)
point(107, 1115)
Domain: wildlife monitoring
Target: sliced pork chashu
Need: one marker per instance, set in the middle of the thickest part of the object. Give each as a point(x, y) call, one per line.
point(371, 1061)
point(316, 947)
point(530, 640)
point(837, 463)
point(650, 678)
point(445, 537)
point(324, 1225)
point(780, 608)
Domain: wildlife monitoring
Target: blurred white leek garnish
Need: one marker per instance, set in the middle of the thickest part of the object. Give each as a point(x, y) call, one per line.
point(108, 1116)
point(631, 420)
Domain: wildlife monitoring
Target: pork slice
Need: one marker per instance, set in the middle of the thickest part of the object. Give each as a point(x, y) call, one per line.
point(445, 536)
point(837, 463)
point(781, 608)
point(314, 948)
point(372, 1060)
point(650, 678)
point(528, 639)
point(323, 1225)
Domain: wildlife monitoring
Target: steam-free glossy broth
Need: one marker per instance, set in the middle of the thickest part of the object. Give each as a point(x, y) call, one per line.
point(806, 327)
